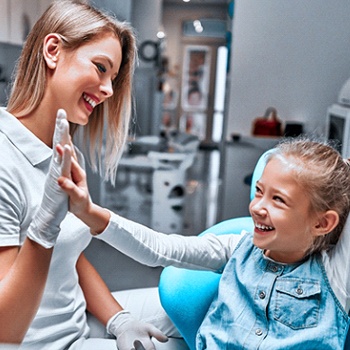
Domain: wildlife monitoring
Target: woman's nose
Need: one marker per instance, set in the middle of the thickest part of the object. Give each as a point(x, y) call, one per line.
point(107, 88)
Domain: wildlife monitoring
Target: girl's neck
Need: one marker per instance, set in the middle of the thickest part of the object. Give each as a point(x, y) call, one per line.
point(285, 259)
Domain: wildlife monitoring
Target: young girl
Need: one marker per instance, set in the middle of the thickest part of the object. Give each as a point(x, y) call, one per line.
point(283, 286)
point(81, 60)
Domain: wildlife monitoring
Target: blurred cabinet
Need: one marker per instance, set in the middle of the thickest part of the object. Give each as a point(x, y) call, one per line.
point(150, 189)
point(238, 162)
point(18, 18)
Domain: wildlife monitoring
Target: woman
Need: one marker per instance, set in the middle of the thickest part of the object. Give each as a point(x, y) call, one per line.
point(81, 60)
point(22, 287)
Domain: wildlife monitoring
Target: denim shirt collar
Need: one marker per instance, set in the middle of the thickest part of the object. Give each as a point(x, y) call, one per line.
point(267, 264)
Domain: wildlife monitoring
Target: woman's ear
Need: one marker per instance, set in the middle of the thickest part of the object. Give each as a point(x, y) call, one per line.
point(326, 223)
point(51, 49)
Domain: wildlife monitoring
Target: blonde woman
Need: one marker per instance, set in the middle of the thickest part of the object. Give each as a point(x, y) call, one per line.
point(81, 60)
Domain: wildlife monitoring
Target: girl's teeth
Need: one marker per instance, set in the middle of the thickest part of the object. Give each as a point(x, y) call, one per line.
point(89, 100)
point(264, 228)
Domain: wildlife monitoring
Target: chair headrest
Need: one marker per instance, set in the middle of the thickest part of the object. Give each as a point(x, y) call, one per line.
point(258, 170)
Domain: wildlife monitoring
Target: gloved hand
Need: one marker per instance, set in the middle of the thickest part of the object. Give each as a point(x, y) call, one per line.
point(45, 225)
point(133, 334)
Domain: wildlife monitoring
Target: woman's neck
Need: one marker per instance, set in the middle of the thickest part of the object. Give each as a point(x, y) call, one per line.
point(41, 123)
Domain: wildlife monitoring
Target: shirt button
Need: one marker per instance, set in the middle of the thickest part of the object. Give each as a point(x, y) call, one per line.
point(274, 268)
point(258, 332)
point(299, 291)
point(262, 294)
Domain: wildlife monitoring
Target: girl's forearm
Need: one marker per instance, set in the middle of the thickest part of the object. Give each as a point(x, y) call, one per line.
point(152, 248)
point(95, 217)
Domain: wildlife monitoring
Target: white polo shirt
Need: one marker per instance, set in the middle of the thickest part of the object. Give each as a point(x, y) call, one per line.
point(24, 163)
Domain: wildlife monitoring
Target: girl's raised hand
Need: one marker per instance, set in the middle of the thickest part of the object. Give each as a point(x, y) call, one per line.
point(73, 182)
point(80, 204)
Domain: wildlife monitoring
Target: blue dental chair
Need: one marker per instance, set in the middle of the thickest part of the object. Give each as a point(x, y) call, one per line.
point(187, 294)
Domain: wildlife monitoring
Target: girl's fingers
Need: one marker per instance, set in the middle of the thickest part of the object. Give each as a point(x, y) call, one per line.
point(75, 169)
point(73, 149)
point(78, 174)
point(73, 177)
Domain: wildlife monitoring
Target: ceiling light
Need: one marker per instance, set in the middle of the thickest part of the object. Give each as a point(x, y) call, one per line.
point(198, 26)
point(160, 35)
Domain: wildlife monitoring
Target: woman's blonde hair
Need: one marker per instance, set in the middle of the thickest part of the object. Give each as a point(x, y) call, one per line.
point(78, 23)
point(325, 176)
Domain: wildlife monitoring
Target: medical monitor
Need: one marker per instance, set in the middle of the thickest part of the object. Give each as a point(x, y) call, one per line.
point(338, 128)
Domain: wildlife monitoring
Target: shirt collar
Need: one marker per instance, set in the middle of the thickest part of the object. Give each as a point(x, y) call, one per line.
point(24, 140)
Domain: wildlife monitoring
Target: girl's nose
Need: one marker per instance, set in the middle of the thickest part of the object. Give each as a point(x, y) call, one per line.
point(258, 208)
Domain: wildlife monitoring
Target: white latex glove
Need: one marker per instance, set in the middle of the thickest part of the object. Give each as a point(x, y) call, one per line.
point(133, 334)
point(45, 225)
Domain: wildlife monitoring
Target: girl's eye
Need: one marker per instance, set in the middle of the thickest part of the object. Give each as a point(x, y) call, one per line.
point(278, 199)
point(257, 190)
point(101, 67)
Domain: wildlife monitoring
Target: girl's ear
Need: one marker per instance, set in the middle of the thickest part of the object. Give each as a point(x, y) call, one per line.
point(326, 223)
point(51, 49)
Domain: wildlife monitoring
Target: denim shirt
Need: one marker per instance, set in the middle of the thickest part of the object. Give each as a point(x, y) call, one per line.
point(262, 304)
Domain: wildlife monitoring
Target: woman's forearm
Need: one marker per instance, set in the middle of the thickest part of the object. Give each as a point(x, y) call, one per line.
point(99, 299)
point(21, 291)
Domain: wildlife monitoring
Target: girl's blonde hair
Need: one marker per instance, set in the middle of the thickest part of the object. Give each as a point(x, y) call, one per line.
point(325, 176)
point(78, 23)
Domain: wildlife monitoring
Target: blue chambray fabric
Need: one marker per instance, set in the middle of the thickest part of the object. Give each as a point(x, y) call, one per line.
point(262, 305)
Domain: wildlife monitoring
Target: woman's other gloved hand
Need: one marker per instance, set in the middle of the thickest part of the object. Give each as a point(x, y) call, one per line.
point(45, 225)
point(133, 334)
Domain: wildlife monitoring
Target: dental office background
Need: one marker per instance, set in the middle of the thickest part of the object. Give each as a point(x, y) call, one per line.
point(239, 57)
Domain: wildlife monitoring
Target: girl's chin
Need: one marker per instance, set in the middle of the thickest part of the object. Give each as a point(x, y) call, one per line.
point(260, 241)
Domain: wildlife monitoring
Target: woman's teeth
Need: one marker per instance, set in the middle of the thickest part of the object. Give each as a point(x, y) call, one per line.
point(89, 100)
point(263, 227)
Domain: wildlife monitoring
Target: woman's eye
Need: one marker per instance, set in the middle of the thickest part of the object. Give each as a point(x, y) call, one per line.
point(101, 67)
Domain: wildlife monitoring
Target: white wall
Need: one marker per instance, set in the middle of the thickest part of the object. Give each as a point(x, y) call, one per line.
point(294, 55)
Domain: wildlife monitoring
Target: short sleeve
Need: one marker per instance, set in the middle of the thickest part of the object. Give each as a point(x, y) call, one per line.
point(10, 211)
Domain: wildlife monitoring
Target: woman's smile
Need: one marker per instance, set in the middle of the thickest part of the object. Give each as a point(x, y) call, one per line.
point(90, 102)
